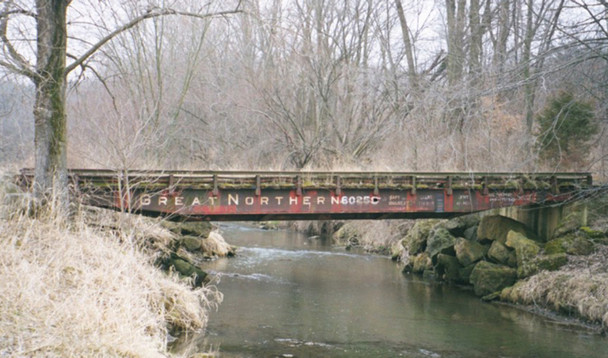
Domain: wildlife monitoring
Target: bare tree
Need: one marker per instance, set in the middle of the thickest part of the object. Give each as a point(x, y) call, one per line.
point(325, 101)
point(49, 71)
point(324, 84)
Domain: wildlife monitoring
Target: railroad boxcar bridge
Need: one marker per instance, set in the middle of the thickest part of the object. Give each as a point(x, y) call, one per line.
point(272, 195)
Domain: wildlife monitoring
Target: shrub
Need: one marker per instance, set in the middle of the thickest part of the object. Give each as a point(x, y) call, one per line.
point(566, 127)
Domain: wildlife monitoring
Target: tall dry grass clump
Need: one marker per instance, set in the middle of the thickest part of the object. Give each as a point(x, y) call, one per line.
point(580, 288)
point(71, 290)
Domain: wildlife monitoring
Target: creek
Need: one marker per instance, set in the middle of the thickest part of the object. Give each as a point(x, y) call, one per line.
point(286, 295)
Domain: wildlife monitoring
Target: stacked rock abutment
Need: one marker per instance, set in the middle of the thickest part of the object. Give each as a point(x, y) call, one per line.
point(500, 258)
point(488, 253)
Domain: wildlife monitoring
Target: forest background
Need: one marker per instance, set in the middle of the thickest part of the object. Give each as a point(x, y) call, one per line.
point(444, 85)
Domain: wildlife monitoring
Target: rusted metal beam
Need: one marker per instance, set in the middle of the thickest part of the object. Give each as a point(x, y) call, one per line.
point(449, 186)
point(213, 195)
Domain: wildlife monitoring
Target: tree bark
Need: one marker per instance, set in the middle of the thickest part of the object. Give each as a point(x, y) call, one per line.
point(456, 22)
point(503, 29)
point(407, 43)
point(51, 181)
point(529, 84)
point(475, 48)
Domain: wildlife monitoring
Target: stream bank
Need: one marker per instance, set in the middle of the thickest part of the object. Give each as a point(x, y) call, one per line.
point(502, 260)
point(88, 285)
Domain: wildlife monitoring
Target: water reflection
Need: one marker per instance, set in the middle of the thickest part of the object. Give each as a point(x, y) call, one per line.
point(288, 295)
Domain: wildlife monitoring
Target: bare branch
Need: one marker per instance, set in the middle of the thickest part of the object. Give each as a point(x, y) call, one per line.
point(153, 13)
point(15, 69)
point(19, 64)
point(8, 13)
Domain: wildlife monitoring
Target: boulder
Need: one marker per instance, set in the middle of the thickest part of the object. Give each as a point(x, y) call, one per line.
point(191, 243)
point(592, 233)
point(571, 244)
point(429, 275)
point(448, 268)
point(468, 252)
point(471, 233)
point(542, 263)
point(513, 293)
point(404, 227)
point(502, 255)
point(488, 278)
point(526, 251)
point(580, 246)
point(398, 252)
point(187, 269)
point(193, 258)
point(550, 262)
point(216, 246)
point(420, 263)
point(559, 245)
point(465, 273)
point(191, 228)
point(440, 242)
point(416, 239)
point(458, 225)
point(196, 228)
point(496, 228)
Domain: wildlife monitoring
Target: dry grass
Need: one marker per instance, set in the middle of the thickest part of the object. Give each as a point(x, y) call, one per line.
point(579, 288)
point(70, 290)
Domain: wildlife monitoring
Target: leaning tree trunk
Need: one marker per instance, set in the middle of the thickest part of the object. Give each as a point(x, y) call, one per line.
point(51, 183)
point(407, 44)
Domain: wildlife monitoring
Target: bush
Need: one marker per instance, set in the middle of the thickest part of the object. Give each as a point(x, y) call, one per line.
point(566, 128)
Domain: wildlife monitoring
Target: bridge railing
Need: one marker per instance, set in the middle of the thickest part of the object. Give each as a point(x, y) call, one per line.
point(259, 180)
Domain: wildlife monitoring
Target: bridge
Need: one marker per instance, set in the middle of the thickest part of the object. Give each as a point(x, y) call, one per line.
point(269, 195)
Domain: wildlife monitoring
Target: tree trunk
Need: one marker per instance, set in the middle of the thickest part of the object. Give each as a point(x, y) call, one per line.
point(407, 43)
point(500, 45)
point(475, 48)
point(49, 110)
point(456, 23)
point(529, 84)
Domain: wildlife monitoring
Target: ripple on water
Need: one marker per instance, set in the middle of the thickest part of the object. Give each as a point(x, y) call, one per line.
point(253, 277)
point(297, 343)
point(265, 253)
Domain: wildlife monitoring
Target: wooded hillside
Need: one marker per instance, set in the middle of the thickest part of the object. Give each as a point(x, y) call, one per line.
point(392, 85)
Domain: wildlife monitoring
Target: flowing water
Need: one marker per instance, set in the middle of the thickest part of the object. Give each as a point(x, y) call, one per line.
point(286, 295)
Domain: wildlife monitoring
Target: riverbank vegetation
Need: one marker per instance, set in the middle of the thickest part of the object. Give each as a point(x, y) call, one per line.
point(78, 288)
